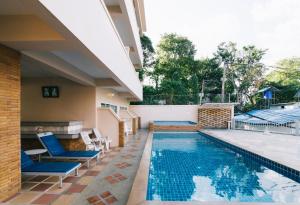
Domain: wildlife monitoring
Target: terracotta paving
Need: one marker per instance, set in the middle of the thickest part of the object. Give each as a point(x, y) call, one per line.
point(128, 156)
point(76, 188)
point(45, 199)
point(104, 198)
point(42, 187)
point(123, 165)
point(104, 183)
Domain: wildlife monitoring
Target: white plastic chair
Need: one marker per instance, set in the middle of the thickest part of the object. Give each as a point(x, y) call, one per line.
point(102, 140)
point(90, 145)
point(127, 129)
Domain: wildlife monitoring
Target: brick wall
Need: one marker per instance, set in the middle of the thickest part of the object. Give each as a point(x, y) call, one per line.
point(134, 125)
point(122, 140)
point(10, 177)
point(215, 115)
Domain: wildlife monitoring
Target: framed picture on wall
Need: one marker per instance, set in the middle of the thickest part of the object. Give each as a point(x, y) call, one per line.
point(50, 91)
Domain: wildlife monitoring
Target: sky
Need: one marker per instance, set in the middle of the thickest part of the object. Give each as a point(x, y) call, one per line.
point(267, 24)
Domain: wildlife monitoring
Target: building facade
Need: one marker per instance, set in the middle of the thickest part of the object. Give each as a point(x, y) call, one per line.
point(63, 61)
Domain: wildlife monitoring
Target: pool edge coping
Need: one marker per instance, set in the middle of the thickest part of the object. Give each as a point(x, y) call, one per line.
point(140, 184)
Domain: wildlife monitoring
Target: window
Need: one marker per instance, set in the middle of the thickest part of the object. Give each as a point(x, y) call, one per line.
point(113, 107)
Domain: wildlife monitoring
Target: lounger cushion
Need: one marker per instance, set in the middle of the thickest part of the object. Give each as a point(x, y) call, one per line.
point(51, 167)
point(25, 160)
point(53, 145)
point(83, 154)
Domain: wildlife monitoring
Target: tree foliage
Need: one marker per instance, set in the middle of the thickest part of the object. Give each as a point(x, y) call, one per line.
point(148, 56)
point(179, 78)
point(243, 67)
point(174, 65)
point(286, 77)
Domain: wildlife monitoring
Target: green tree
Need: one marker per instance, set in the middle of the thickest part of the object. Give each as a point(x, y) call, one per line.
point(286, 78)
point(209, 75)
point(287, 72)
point(243, 67)
point(175, 62)
point(148, 57)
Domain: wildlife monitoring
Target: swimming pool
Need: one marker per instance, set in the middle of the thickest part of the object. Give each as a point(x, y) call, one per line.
point(193, 167)
point(174, 123)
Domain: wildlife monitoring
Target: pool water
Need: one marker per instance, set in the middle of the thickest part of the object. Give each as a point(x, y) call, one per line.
point(191, 167)
point(174, 123)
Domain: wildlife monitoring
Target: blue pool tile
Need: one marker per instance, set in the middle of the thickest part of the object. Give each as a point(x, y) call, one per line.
point(192, 166)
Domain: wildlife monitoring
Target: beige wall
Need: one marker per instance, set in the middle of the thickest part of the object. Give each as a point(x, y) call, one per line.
point(108, 124)
point(126, 117)
point(105, 95)
point(76, 102)
point(150, 113)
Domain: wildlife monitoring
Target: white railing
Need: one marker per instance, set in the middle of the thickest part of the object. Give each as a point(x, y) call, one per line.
point(291, 128)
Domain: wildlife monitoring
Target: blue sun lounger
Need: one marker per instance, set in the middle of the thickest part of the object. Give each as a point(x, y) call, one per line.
point(56, 150)
point(60, 169)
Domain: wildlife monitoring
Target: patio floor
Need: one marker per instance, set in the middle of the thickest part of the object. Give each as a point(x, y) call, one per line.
point(108, 182)
point(284, 149)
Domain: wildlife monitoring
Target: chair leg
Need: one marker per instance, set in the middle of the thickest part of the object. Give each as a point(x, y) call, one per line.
point(60, 181)
point(76, 172)
point(88, 164)
point(107, 146)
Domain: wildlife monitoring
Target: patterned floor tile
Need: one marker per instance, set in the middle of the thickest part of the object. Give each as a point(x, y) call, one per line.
point(11, 197)
point(113, 181)
point(76, 188)
point(65, 199)
point(92, 173)
point(105, 194)
point(24, 198)
point(28, 185)
point(57, 190)
point(121, 178)
point(26, 178)
point(45, 199)
point(98, 168)
point(52, 179)
point(128, 156)
point(71, 179)
point(99, 203)
point(39, 178)
point(115, 178)
point(42, 187)
point(123, 165)
point(111, 200)
point(93, 199)
point(85, 180)
point(104, 198)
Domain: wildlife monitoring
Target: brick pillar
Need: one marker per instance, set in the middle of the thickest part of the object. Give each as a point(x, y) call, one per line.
point(121, 134)
point(134, 125)
point(10, 176)
point(151, 126)
point(139, 122)
point(215, 115)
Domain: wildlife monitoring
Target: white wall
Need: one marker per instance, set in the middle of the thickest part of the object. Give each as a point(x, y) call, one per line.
point(92, 25)
point(108, 96)
point(108, 124)
point(150, 113)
